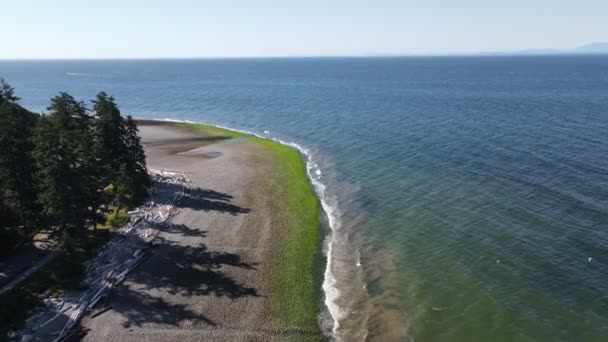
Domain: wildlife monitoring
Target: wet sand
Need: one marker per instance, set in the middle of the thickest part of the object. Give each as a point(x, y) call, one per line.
point(209, 275)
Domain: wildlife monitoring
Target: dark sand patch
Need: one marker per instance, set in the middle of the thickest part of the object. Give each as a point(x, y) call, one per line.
point(202, 152)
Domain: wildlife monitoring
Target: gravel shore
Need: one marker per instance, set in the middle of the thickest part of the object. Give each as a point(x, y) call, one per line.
point(208, 277)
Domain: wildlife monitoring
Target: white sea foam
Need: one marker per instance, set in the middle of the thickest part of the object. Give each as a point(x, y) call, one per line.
point(332, 293)
point(174, 120)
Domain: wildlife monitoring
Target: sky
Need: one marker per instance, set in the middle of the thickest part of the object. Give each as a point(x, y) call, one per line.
point(49, 29)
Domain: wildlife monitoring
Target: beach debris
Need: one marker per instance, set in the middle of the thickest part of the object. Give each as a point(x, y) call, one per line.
point(58, 319)
point(26, 338)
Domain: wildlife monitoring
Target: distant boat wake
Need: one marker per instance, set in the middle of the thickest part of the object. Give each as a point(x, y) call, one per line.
point(76, 74)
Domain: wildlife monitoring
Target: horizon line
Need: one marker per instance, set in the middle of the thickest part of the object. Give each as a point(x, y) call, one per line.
point(472, 54)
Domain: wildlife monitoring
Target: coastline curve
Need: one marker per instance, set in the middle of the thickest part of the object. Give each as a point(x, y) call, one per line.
point(335, 313)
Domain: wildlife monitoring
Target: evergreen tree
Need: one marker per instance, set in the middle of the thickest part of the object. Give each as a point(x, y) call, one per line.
point(124, 187)
point(109, 132)
point(136, 161)
point(61, 162)
point(51, 171)
point(95, 181)
point(16, 162)
point(63, 158)
point(120, 152)
point(7, 93)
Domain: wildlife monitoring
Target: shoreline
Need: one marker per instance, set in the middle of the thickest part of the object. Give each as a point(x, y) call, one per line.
point(328, 285)
point(257, 231)
point(304, 157)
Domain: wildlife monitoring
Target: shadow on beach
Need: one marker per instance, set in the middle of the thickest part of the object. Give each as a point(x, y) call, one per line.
point(176, 269)
point(201, 199)
point(179, 272)
point(178, 277)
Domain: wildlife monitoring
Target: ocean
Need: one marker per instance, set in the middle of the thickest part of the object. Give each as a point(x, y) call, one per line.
point(466, 198)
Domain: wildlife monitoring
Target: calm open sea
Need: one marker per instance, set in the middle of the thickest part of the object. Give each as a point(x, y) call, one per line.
point(468, 196)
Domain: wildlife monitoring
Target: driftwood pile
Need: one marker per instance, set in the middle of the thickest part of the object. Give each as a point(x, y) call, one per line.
point(58, 320)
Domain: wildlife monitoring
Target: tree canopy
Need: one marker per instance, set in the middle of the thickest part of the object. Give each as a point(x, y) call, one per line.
point(57, 167)
point(16, 162)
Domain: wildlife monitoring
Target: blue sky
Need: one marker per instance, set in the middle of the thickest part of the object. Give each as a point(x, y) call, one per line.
point(224, 28)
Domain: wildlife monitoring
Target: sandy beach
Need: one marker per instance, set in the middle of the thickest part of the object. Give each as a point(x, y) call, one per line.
point(213, 272)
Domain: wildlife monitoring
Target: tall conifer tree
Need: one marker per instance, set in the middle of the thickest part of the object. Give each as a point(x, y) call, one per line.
point(16, 162)
point(136, 162)
point(63, 158)
point(109, 132)
point(7, 93)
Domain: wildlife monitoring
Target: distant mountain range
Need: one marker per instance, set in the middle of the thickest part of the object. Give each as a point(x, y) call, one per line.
point(596, 48)
point(587, 49)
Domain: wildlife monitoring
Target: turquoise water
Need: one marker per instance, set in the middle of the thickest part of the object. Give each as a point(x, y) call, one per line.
point(468, 196)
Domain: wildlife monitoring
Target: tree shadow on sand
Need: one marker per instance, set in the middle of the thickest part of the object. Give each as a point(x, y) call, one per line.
point(199, 199)
point(140, 308)
point(192, 271)
point(181, 230)
point(181, 271)
point(169, 287)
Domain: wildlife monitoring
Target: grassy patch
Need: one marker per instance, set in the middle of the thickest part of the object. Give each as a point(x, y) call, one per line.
point(295, 280)
point(63, 273)
point(113, 219)
point(210, 131)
